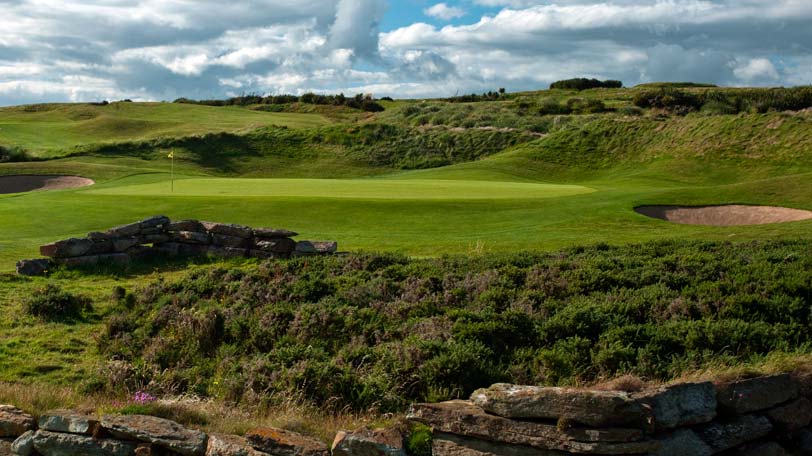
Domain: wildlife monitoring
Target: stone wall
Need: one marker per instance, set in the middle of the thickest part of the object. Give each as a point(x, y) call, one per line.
point(160, 237)
point(755, 417)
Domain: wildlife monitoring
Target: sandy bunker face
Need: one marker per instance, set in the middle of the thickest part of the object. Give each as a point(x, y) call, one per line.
point(725, 215)
point(20, 184)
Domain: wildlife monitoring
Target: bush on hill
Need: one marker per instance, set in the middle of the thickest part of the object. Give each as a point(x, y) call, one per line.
point(473, 98)
point(360, 101)
point(52, 303)
point(726, 101)
point(13, 154)
point(584, 84)
point(380, 330)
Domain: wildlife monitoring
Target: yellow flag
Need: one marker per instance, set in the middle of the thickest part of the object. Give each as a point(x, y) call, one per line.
point(171, 155)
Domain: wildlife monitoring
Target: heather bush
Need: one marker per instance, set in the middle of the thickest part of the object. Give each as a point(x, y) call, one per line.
point(52, 303)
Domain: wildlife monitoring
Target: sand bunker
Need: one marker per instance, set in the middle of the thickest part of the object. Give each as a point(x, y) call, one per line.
point(727, 215)
point(20, 184)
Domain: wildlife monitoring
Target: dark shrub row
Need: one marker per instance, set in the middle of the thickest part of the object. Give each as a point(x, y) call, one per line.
point(472, 98)
point(13, 154)
point(360, 101)
point(727, 101)
point(369, 330)
point(584, 84)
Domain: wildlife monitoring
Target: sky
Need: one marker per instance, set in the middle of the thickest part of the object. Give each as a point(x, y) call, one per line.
point(83, 50)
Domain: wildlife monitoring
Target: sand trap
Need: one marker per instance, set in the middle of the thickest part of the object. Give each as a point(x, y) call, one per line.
point(20, 184)
point(727, 215)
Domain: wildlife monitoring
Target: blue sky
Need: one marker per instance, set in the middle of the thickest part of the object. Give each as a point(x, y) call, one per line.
point(85, 50)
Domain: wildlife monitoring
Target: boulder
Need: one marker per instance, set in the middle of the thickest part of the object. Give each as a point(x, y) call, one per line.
point(118, 259)
point(14, 422)
point(5, 447)
point(316, 247)
point(158, 431)
point(263, 255)
point(66, 248)
point(273, 233)
point(101, 246)
point(155, 238)
point(682, 442)
point(224, 240)
point(756, 394)
point(68, 421)
point(129, 230)
point(454, 445)
point(170, 249)
point(764, 449)
point(226, 252)
point(186, 225)
point(35, 267)
point(126, 243)
point(466, 419)
point(153, 222)
point(592, 408)
point(279, 245)
point(79, 262)
point(679, 405)
point(192, 249)
point(724, 436)
point(230, 445)
point(793, 416)
point(24, 445)
point(279, 442)
point(192, 237)
point(58, 444)
point(96, 236)
point(229, 229)
point(369, 442)
point(803, 442)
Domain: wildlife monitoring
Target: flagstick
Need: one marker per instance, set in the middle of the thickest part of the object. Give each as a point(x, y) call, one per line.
point(172, 178)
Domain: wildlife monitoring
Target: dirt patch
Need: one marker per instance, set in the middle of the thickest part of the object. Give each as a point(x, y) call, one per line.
point(726, 215)
point(20, 184)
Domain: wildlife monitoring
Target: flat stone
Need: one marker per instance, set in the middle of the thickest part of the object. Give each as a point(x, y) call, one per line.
point(756, 393)
point(804, 382)
point(316, 247)
point(679, 405)
point(128, 230)
point(24, 445)
point(14, 422)
point(230, 445)
point(68, 421)
point(273, 233)
point(78, 262)
point(155, 238)
point(724, 436)
point(5, 447)
point(229, 229)
point(158, 431)
point(153, 222)
point(682, 442)
point(126, 243)
point(225, 240)
point(193, 237)
point(35, 267)
point(101, 246)
point(118, 259)
point(170, 249)
point(66, 248)
point(226, 252)
point(454, 445)
point(279, 442)
point(368, 442)
point(58, 444)
point(185, 225)
point(764, 449)
point(279, 245)
point(146, 449)
point(793, 416)
point(192, 249)
point(466, 419)
point(592, 408)
point(97, 236)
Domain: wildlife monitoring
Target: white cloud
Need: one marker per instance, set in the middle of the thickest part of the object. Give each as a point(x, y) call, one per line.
point(445, 12)
point(756, 70)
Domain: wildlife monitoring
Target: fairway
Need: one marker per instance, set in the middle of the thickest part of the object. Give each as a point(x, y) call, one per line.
point(371, 189)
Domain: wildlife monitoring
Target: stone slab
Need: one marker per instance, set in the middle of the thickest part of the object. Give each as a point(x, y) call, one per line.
point(68, 421)
point(58, 444)
point(454, 445)
point(15, 422)
point(158, 431)
point(679, 405)
point(756, 394)
point(280, 442)
point(368, 442)
point(724, 436)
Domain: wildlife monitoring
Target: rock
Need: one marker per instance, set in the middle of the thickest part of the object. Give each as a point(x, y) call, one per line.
point(193, 237)
point(680, 405)
point(224, 240)
point(229, 229)
point(466, 419)
point(66, 248)
point(369, 442)
point(185, 225)
point(145, 449)
point(279, 245)
point(96, 236)
point(153, 222)
point(170, 249)
point(5, 447)
point(803, 442)
point(158, 431)
point(454, 445)
point(273, 233)
point(682, 442)
point(592, 408)
point(793, 416)
point(155, 238)
point(14, 422)
point(68, 421)
point(35, 267)
point(129, 230)
point(192, 249)
point(230, 445)
point(316, 247)
point(724, 436)
point(101, 246)
point(226, 252)
point(24, 445)
point(764, 449)
point(756, 393)
point(79, 262)
point(118, 259)
point(58, 444)
point(263, 255)
point(279, 442)
point(124, 244)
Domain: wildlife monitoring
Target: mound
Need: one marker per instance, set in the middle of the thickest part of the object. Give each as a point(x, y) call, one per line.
point(19, 184)
point(726, 215)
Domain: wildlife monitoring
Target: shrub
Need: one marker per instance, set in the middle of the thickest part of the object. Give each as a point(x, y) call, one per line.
point(584, 84)
point(12, 154)
point(55, 304)
point(677, 101)
point(418, 442)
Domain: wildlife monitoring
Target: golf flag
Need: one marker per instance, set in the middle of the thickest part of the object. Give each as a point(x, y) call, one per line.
point(171, 155)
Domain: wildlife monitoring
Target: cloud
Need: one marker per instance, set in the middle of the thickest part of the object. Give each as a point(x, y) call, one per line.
point(445, 12)
point(756, 70)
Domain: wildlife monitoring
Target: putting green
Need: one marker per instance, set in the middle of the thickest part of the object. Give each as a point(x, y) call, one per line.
point(369, 189)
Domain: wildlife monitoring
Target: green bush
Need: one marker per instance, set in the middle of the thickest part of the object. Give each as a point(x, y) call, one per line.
point(13, 154)
point(51, 303)
point(677, 101)
point(584, 84)
point(418, 442)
